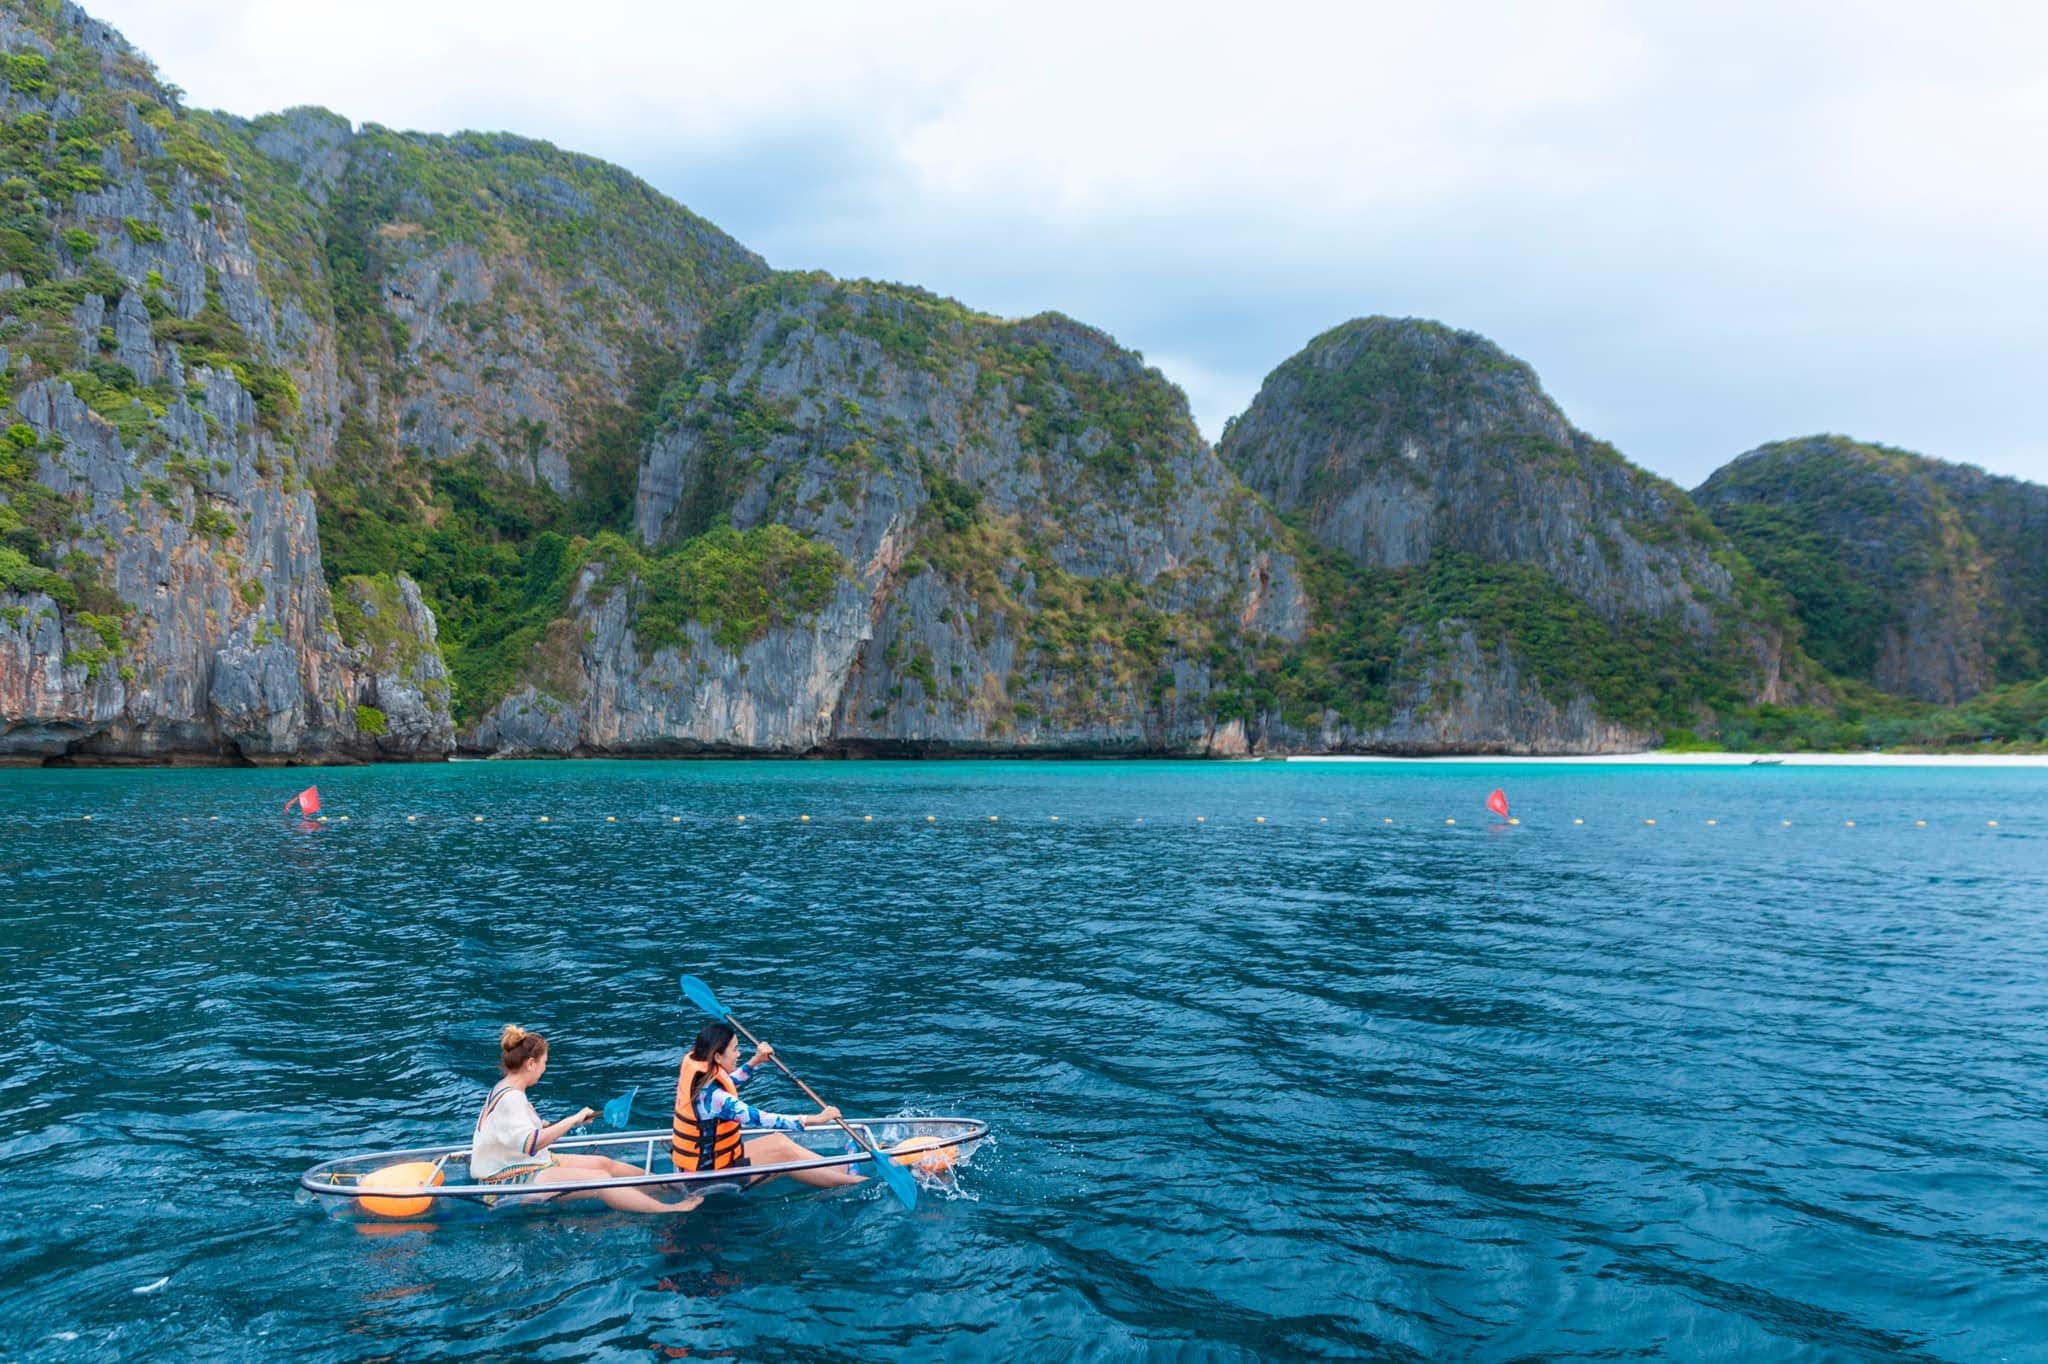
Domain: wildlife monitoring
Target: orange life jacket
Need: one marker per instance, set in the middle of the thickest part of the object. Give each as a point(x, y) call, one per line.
point(693, 1143)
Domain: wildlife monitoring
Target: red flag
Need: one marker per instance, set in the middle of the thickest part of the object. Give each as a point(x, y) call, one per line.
point(307, 800)
point(1498, 802)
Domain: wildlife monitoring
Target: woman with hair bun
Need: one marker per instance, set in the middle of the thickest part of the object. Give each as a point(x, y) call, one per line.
point(511, 1143)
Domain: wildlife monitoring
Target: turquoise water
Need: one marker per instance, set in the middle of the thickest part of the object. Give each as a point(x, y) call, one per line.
point(1344, 1088)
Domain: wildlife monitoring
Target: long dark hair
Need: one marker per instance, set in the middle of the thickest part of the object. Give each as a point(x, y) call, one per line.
point(711, 1041)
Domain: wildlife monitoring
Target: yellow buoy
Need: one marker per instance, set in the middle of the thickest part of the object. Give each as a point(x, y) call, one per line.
point(611, 819)
point(991, 819)
point(1712, 822)
point(343, 818)
point(926, 1155)
point(1848, 824)
point(543, 819)
point(1513, 820)
point(1578, 821)
point(476, 819)
point(1991, 824)
point(1258, 819)
point(1450, 821)
point(1649, 821)
point(931, 819)
point(867, 819)
point(1201, 819)
point(410, 818)
point(741, 820)
point(399, 1179)
point(1919, 823)
point(803, 819)
point(675, 819)
point(87, 818)
point(1387, 820)
point(1784, 824)
point(321, 818)
point(1055, 818)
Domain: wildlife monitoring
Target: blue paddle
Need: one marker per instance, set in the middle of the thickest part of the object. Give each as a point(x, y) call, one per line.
point(895, 1176)
point(618, 1112)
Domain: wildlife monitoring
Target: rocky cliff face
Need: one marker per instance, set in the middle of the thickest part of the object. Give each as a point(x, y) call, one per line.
point(1407, 446)
point(160, 584)
point(1030, 545)
point(1927, 579)
point(230, 341)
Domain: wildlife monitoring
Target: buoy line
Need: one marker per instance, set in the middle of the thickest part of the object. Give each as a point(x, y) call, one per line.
point(312, 821)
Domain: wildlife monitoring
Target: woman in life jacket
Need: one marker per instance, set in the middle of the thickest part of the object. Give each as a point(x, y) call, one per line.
point(711, 1116)
point(511, 1143)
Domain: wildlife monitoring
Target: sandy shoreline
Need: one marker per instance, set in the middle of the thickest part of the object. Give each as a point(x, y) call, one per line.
point(1659, 759)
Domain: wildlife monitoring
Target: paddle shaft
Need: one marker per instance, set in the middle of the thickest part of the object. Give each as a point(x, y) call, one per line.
point(865, 1144)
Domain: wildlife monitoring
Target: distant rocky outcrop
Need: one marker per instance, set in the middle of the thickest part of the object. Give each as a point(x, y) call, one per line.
point(1411, 448)
point(1925, 578)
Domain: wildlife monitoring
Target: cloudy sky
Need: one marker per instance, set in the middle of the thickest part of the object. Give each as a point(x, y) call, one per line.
point(1707, 226)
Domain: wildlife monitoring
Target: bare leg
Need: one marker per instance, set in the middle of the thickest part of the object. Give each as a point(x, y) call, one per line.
point(777, 1149)
point(603, 1165)
point(568, 1168)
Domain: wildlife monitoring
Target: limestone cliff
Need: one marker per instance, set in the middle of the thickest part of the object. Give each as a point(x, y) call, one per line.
point(1436, 465)
point(160, 584)
point(1031, 547)
point(1925, 578)
point(233, 345)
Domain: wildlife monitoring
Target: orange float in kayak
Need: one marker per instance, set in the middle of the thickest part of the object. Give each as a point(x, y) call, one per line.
point(929, 1155)
point(413, 1174)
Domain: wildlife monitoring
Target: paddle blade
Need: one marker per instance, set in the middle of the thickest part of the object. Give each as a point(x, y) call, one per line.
point(699, 994)
point(901, 1182)
point(619, 1112)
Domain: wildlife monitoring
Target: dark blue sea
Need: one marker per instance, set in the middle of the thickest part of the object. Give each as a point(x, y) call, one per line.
point(1765, 1079)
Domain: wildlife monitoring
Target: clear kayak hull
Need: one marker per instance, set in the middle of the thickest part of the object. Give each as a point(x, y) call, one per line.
point(433, 1183)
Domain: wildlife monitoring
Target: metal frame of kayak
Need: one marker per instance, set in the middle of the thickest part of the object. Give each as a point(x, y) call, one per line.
point(341, 1178)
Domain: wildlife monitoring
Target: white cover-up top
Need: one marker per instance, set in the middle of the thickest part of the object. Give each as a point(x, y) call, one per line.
point(505, 1135)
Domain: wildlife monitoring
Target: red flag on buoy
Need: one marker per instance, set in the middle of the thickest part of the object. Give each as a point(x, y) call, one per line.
point(307, 800)
point(1498, 802)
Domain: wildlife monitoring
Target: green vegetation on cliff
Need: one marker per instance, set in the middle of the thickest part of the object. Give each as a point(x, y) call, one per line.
point(2009, 719)
point(1833, 523)
point(1375, 627)
point(497, 560)
point(1922, 577)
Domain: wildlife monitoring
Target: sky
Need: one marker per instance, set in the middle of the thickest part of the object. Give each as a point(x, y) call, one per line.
point(1707, 226)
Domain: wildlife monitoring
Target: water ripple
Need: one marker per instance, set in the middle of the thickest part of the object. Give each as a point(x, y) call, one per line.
point(1322, 1086)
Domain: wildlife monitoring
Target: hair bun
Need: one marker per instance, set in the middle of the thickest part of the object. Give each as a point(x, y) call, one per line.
point(512, 1036)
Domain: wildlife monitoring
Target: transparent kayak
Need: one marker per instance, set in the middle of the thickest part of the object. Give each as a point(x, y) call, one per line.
point(433, 1183)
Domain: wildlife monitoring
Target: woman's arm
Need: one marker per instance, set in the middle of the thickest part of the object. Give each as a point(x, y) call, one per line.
point(545, 1137)
point(762, 1052)
point(723, 1107)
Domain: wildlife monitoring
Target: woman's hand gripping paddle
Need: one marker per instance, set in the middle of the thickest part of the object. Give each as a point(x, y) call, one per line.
point(899, 1180)
point(618, 1112)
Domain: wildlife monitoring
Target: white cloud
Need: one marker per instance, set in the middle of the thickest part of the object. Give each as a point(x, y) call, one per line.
point(1709, 225)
